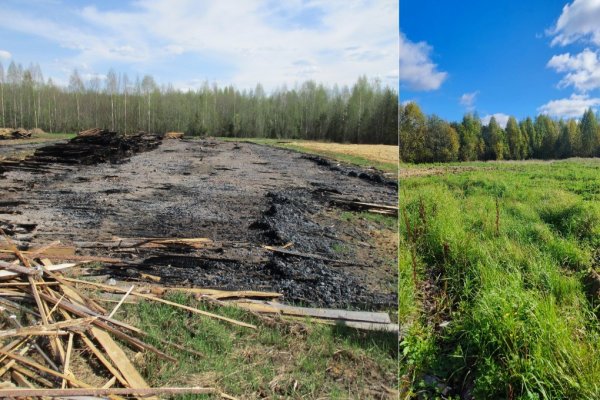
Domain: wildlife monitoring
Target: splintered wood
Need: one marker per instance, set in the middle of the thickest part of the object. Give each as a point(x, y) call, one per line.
point(48, 322)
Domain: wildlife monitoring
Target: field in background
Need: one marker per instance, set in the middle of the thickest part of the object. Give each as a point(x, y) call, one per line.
point(498, 280)
point(383, 157)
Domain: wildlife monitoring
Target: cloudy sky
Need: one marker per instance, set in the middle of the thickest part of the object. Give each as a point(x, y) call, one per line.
point(186, 42)
point(501, 58)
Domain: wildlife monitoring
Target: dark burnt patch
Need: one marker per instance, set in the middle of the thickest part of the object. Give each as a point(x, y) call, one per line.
point(372, 175)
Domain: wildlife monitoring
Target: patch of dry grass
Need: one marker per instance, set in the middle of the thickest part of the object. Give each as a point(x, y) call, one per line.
point(375, 152)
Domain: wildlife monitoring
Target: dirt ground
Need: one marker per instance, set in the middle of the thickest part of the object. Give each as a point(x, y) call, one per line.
point(239, 195)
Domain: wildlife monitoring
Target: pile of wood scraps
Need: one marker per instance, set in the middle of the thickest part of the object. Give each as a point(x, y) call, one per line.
point(88, 147)
point(48, 325)
point(53, 325)
point(10, 133)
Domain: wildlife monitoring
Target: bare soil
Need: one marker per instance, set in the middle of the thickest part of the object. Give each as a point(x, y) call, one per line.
point(240, 195)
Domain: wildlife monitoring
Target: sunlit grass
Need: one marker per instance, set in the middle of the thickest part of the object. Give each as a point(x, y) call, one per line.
point(500, 254)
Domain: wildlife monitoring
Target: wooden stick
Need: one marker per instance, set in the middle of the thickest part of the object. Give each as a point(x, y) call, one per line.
point(21, 380)
point(158, 299)
point(67, 359)
point(19, 269)
point(30, 374)
point(47, 329)
point(120, 302)
point(11, 284)
point(110, 382)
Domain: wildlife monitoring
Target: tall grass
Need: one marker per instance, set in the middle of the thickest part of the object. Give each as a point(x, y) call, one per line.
point(501, 311)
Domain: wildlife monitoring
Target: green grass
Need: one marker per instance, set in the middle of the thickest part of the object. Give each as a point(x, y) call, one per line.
point(345, 158)
point(293, 360)
point(500, 256)
point(57, 136)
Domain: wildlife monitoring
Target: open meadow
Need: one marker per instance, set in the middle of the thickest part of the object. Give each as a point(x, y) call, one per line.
point(499, 289)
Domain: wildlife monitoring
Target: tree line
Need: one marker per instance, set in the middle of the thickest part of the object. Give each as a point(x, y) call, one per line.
point(367, 112)
point(431, 139)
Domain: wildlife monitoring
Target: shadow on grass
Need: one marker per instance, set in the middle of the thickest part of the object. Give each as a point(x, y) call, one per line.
point(386, 342)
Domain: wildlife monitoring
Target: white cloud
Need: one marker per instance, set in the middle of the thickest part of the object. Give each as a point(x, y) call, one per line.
point(578, 20)
point(5, 55)
point(501, 119)
point(583, 70)
point(468, 99)
point(251, 41)
point(417, 71)
point(572, 107)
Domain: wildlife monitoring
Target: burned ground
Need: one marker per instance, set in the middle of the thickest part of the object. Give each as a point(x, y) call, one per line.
point(241, 196)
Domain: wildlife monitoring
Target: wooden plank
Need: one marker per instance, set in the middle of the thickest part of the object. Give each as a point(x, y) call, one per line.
point(120, 359)
point(18, 269)
point(367, 326)
point(218, 294)
point(103, 359)
point(325, 313)
point(57, 267)
point(17, 284)
point(67, 360)
point(45, 329)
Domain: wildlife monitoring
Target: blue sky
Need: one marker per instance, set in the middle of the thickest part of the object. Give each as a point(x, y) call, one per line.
point(187, 42)
point(500, 57)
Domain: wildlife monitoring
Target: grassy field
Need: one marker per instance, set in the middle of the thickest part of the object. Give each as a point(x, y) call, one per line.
point(495, 263)
point(382, 157)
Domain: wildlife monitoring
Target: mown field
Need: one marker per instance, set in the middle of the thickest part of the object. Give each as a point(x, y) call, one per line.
point(498, 280)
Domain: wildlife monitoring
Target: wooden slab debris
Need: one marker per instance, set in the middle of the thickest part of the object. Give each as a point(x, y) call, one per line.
point(357, 205)
point(323, 313)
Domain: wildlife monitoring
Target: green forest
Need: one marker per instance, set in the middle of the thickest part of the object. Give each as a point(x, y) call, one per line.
point(431, 139)
point(367, 112)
